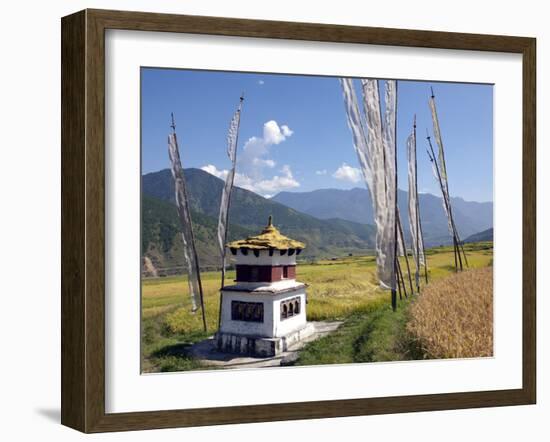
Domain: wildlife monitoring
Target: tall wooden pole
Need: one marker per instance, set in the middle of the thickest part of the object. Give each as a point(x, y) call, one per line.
point(419, 232)
point(227, 220)
point(424, 252)
point(445, 181)
point(402, 236)
point(460, 243)
point(396, 265)
point(423, 247)
point(195, 255)
point(402, 278)
point(445, 201)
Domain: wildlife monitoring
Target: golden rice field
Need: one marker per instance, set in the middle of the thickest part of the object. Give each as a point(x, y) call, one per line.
point(454, 316)
point(337, 289)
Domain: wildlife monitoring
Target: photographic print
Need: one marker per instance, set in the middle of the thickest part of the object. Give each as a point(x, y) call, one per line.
point(292, 220)
point(247, 202)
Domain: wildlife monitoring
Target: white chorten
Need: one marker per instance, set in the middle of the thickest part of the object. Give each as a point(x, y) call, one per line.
point(264, 311)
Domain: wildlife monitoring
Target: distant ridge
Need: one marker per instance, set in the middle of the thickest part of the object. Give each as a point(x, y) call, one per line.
point(249, 212)
point(355, 205)
point(486, 235)
point(331, 222)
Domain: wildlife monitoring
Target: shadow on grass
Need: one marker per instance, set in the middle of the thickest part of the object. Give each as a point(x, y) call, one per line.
point(172, 350)
point(174, 357)
point(165, 351)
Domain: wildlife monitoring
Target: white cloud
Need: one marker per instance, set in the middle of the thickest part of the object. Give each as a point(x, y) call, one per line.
point(265, 187)
point(279, 182)
point(267, 163)
point(240, 179)
point(321, 172)
point(347, 173)
point(255, 155)
point(287, 132)
point(254, 161)
point(273, 134)
point(213, 170)
point(244, 182)
point(261, 82)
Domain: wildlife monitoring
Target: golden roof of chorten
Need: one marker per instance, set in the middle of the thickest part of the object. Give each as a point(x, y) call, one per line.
point(270, 238)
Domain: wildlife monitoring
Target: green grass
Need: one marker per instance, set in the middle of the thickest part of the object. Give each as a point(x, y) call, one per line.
point(342, 289)
point(376, 334)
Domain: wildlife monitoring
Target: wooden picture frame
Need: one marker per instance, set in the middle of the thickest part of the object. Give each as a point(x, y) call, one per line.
point(83, 220)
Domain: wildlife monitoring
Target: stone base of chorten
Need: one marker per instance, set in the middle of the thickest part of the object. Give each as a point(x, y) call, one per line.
point(259, 346)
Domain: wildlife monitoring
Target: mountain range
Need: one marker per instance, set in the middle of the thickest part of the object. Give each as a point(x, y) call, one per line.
point(486, 235)
point(248, 214)
point(331, 222)
point(355, 205)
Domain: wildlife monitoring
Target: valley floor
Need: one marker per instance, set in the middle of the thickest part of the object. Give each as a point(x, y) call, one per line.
point(343, 289)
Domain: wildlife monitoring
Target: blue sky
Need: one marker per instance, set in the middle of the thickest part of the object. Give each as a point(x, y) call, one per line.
point(294, 136)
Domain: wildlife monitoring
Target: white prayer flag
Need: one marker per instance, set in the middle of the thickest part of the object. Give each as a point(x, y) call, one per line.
point(413, 203)
point(401, 246)
point(439, 141)
point(184, 214)
point(370, 146)
point(357, 131)
point(232, 138)
point(445, 198)
point(389, 134)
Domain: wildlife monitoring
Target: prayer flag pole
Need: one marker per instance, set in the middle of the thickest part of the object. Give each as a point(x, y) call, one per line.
point(184, 214)
point(225, 202)
point(420, 233)
point(445, 203)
